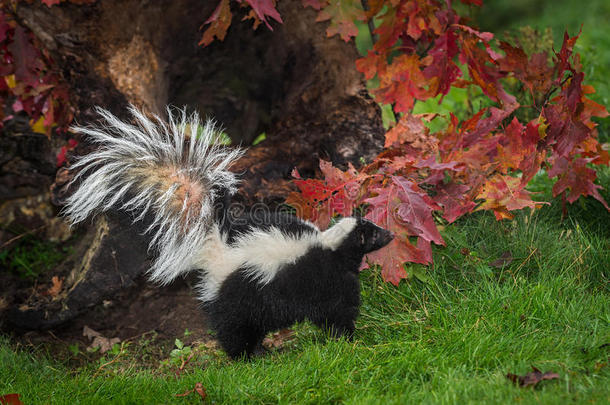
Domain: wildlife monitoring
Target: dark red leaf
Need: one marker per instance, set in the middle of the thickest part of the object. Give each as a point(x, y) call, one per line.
point(10, 399)
point(443, 68)
point(488, 124)
point(50, 3)
point(576, 177)
point(475, 2)
point(199, 389)
point(534, 73)
point(315, 4)
point(504, 260)
point(564, 55)
point(454, 200)
point(264, 9)
point(27, 59)
point(278, 339)
point(320, 200)
point(532, 378)
point(415, 210)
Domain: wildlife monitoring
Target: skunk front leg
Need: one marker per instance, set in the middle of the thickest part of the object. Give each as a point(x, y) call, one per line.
point(339, 324)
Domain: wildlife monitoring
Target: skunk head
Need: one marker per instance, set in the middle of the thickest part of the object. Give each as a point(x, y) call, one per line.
point(370, 237)
point(357, 235)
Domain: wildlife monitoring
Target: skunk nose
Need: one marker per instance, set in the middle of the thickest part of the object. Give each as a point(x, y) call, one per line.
point(388, 237)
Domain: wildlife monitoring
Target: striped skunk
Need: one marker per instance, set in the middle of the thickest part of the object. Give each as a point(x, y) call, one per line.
point(260, 271)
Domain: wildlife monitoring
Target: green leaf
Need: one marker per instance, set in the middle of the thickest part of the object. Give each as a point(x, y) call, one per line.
point(419, 272)
point(261, 137)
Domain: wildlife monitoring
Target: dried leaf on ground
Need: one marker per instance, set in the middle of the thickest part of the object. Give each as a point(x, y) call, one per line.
point(10, 399)
point(504, 260)
point(100, 341)
point(198, 389)
point(532, 378)
point(57, 283)
point(278, 339)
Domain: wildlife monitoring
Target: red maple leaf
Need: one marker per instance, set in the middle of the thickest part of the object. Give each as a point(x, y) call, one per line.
point(482, 65)
point(320, 200)
point(535, 72)
point(443, 67)
point(368, 65)
point(402, 82)
point(342, 15)
point(264, 9)
point(409, 129)
point(26, 58)
point(389, 29)
point(50, 3)
point(315, 4)
point(219, 22)
point(518, 149)
point(566, 129)
point(383, 211)
point(502, 194)
point(562, 58)
point(10, 399)
point(484, 125)
point(454, 199)
point(414, 212)
point(392, 258)
point(61, 156)
point(574, 175)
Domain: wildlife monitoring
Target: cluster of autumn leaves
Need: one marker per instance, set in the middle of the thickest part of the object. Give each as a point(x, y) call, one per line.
point(27, 83)
point(484, 162)
point(422, 49)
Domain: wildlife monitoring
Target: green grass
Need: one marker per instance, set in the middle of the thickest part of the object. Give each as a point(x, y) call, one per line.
point(31, 256)
point(449, 340)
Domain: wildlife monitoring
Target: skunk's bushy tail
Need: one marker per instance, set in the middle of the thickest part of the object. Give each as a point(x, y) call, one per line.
point(171, 170)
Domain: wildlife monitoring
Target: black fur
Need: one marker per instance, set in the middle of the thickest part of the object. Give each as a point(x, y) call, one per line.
point(322, 286)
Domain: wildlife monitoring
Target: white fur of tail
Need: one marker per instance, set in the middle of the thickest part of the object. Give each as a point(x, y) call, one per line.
point(170, 170)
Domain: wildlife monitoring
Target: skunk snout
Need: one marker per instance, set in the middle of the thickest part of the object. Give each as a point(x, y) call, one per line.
point(385, 238)
point(373, 237)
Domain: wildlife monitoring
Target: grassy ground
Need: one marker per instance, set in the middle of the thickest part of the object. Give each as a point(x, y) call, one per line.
point(450, 335)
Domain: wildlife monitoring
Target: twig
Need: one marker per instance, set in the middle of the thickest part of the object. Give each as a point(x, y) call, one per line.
point(526, 260)
point(139, 335)
point(8, 242)
point(184, 363)
point(111, 361)
point(370, 22)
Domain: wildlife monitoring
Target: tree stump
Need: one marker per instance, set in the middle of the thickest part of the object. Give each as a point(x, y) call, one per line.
point(294, 84)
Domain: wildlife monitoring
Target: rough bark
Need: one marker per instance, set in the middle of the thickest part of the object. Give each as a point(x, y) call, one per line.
point(295, 84)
